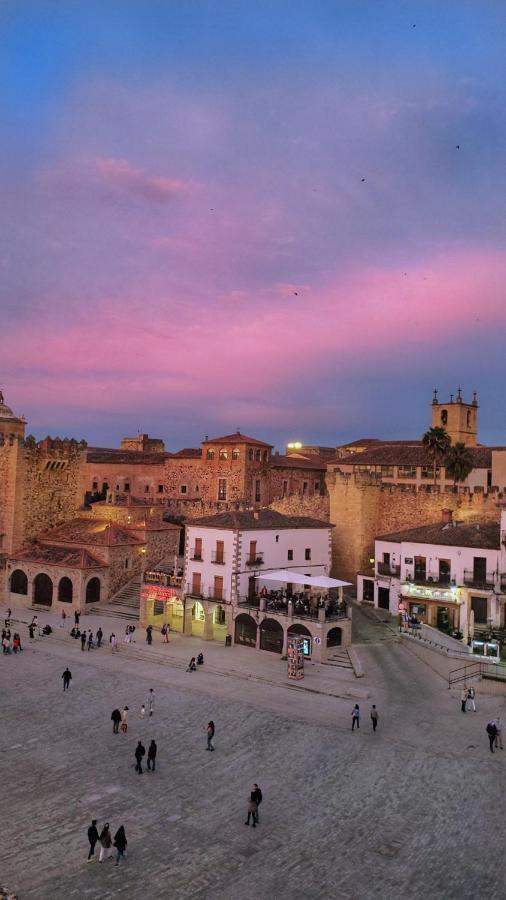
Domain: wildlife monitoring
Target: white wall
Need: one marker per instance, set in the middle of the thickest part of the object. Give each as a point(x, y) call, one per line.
point(207, 568)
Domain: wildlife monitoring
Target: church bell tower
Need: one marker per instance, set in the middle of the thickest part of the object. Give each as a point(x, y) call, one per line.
point(459, 419)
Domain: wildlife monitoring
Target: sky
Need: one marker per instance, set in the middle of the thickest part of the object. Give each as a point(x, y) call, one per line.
point(287, 218)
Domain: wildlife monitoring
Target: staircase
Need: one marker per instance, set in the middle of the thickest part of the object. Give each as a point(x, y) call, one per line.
point(126, 603)
point(339, 657)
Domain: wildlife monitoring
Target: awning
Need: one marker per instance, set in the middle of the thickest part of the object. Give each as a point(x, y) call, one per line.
point(289, 577)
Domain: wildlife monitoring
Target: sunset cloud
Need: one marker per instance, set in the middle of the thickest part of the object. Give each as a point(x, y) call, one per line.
point(121, 174)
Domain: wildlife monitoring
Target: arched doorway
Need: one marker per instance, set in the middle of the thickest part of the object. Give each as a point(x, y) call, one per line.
point(198, 619)
point(245, 630)
point(303, 632)
point(65, 590)
point(93, 590)
point(19, 582)
point(271, 636)
point(42, 590)
point(334, 637)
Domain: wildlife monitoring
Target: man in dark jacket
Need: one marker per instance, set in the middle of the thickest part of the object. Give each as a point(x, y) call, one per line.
point(152, 755)
point(93, 838)
point(67, 677)
point(116, 719)
point(100, 635)
point(139, 753)
point(491, 731)
point(257, 796)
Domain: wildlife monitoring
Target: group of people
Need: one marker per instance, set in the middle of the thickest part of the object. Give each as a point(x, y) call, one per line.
point(10, 642)
point(106, 842)
point(494, 732)
point(140, 753)
point(355, 717)
point(304, 604)
point(192, 665)
point(467, 698)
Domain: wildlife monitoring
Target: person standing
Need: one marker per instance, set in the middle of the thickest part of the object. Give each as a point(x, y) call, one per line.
point(149, 634)
point(67, 678)
point(463, 699)
point(76, 618)
point(257, 794)
point(210, 735)
point(471, 694)
point(83, 640)
point(120, 842)
point(143, 711)
point(90, 639)
point(252, 810)
point(116, 719)
point(355, 716)
point(498, 732)
point(124, 720)
point(63, 617)
point(93, 838)
point(127, 637)
point(152, 749)
point(140, 752)
point(492, 733)
point(374, 717)
point(151, 701)
point(105, 843)
point(100, 635)
point(113, 642)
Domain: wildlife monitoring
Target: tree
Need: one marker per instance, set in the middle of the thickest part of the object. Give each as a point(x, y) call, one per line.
point(459, 462)
point(438, 442)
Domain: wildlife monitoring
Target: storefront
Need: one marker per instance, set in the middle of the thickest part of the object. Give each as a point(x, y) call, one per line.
point(161, 606)
point(440, 608)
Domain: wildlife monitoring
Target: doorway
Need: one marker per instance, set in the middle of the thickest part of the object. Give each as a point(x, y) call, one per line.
point(384, 598)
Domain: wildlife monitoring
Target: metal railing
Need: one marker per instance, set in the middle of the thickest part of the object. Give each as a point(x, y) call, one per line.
point(429, 579)
point(475, 579)
point(297, 612)
point(207, 593)
point(256, 560)
point(387, 569)
point(480, 669)
point(218, 558)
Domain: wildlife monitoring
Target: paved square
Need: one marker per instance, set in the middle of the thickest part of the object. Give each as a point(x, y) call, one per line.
point(414, 811)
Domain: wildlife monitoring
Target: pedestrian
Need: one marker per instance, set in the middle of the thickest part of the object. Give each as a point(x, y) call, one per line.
point(116, 719)
point(192, 667)
point(76, 617)
point(100, 635)
point(149, 634)
point(67, 678)
point(105, 843)
point(31, 631)
point(200, 659)
point(63, 617)
point(374, 717)
point(152, 749)
point(113, 642)
point(83, 640)
point(124, 720)
point(464, 694)
point(127, 637)
point(143, 711)
point(151, 701)
point(355, 716)
point(492, 733)
point(165, 632)
point(35, 621)
point(93, 838)
point(252, 810)
point(120, 842)
point(498, 732)
point(6, 644)
point(471, 694)
point(90, 639)
point(257, 794)
point(16, 642)
point(140, 751)
point(210, 735)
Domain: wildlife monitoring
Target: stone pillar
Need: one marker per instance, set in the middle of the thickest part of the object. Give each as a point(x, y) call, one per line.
point(285, 641)
point(208, 625)
point(257, 643)
point(321, 614)
point(187, 615)
point(262, 604)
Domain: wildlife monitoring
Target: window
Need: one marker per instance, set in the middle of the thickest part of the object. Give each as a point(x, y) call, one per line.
point(127, 487)
point(468, 419)
point(235, 453)
point(285, 488)
point(258, 456)
point(406, 471)
point(160, 488)
point(146, 488)
point(219, 616)
point(307, 553)
point(183, 489)
point(290, 554)
point(304, 487)
point(368, 590)
point(250, 454)
point(126, 563)
point(428, 471)
point(444, 417)
point(277, 538)
point(223, 453)
point(257, 491)
point(196, 488)
point(117, 487)
point(94, 486)
point(222, 489)
point(197, 550)
point(317, 486)
point(387, 471)
point(210, 454)
point(266, 456)
point(362, 468)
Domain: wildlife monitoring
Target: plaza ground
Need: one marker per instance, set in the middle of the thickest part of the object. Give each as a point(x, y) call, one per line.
point(413, 811)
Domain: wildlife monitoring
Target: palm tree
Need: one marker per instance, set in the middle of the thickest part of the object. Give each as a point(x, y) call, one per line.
point(459, 462)
point(438, 442)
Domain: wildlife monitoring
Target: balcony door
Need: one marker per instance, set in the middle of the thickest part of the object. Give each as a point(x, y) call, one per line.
point(196, 584)
point(197, 550)
point(220, 551)
point(218, 587)
point(445, 569)
point(420, 568)
point(252, 551)
point(479, 569)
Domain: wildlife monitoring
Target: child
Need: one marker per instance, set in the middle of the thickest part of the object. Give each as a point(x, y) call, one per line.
point(143, 711)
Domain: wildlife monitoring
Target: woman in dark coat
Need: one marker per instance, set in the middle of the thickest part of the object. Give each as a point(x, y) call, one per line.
point(120, 842)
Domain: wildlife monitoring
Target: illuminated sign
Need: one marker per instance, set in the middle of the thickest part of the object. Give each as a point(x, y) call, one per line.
point(156, 592)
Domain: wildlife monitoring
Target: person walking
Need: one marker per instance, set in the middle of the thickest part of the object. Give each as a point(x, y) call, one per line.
point(100, 635)
point(492, 734)
point(257, 794)
point(374, 717)
point(120, 842)
point(463, 699)
point(93, 838)
point(113, 642)
point(140, 751)
point(498, 732)
point(152, 750)
point(105, 843)
point(76, 618)
point(124, 720)
point(355, 716)
point(116, 719)
point(252, 810)
point(63, 617)
point(127, 637)
point(67, 678)
point(151, 701)
point(149, 634)
point(143, 711)
point(90, 639)
point(192, 666)
point(83, 640)
point(210, 735)
point(471, 694)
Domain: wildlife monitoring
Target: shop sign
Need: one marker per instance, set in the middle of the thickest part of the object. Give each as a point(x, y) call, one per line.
point(155, 592)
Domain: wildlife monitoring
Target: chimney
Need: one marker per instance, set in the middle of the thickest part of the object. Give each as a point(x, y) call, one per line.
point(446, 516)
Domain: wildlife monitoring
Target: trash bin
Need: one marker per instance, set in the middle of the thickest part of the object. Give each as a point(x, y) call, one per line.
point(228, 640)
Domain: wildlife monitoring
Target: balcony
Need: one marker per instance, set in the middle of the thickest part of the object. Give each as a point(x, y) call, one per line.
point(218, 558)
point(387, 569)
point(196, 555)
point(299, 610)
point(219, 595)
point(483, 581)
point(194, 591)
point(256, 560)
point(431, 579)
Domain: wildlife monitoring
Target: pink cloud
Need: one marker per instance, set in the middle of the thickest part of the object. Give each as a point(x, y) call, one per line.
point(119, 173)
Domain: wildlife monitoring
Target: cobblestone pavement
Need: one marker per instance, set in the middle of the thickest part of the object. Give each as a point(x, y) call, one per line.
point(413, 811)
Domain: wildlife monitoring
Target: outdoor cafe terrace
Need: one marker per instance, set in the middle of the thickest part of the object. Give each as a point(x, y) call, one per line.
point(303, 606)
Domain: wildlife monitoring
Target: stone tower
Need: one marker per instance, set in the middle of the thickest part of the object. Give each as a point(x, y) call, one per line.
point(459, 419)
point(10, 425)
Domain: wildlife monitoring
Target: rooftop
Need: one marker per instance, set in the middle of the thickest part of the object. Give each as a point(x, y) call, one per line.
point(293, 461)
point(261, 520)
point(236, 438)
point(73, 558)
point(410, 454)
point(482, 535)
point(134, 457)
point(101, 532)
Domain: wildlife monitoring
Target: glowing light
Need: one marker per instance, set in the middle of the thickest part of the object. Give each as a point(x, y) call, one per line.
point(295, 445)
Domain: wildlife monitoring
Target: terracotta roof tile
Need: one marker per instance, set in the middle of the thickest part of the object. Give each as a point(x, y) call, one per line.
point(410, 455)
point(101, 532)
point(237, 438)
point(483, 535)
point(68, 557)
point(262, 519)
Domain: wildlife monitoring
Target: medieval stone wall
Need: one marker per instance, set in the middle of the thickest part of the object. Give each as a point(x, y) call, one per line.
point(361, 508)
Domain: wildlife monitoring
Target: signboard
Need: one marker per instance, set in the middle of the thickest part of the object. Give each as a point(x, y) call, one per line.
point(156, 592)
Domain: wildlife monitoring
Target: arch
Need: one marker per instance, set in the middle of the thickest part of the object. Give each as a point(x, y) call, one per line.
point(250, 454)
point(219, 617)
point(258, 455)
point(334, 637)
point(93, 590)
point(198, 611)
point(271, 636)
point(19, 582)
point(245, 630)
point(210, 454)
point(42, 589)
point(299, 629)
point(236, 453)
point(444, 417)
point(65, 590)
point(223, 453)
point(468, 418)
